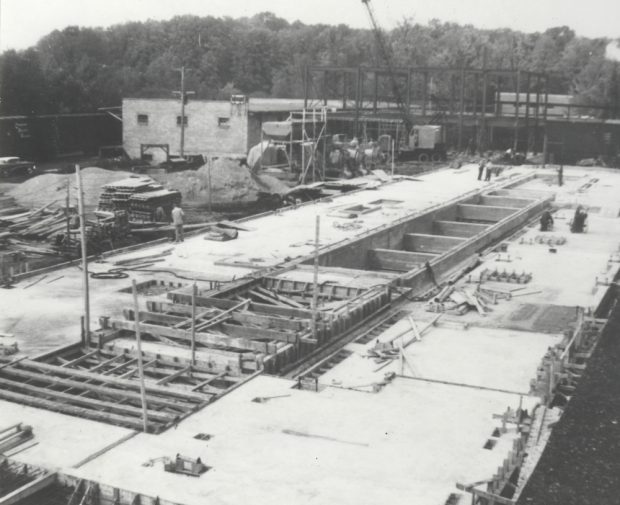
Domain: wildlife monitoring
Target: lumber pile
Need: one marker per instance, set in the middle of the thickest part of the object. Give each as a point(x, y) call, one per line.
point(139, 197)
point(458, 301)
point(19, 230)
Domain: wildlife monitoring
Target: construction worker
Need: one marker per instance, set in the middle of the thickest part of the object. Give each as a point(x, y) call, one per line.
point(489, 171)
point(546, 221)
point(481, 166)
point(177, 220)
point(579, 220)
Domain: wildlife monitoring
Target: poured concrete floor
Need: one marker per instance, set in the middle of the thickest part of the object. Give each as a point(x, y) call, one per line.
point(408, 443)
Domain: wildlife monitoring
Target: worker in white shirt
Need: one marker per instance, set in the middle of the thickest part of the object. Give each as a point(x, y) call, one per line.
point(177, 220)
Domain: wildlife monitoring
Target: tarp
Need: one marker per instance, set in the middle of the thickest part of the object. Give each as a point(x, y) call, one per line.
point(277, 129)
point(269, 155)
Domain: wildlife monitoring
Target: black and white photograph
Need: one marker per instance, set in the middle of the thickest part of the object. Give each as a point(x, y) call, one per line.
point(312, 252)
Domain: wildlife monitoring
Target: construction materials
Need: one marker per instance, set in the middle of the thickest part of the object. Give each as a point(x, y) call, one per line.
point(13, 436)
point(496, 275)
point(193, 467)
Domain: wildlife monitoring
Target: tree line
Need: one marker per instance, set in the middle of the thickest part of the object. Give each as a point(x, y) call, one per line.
point(82, 69)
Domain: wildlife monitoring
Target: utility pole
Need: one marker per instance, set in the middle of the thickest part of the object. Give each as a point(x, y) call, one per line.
point(183, 94)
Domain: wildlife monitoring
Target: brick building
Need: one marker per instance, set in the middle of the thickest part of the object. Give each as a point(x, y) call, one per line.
point(216, 128)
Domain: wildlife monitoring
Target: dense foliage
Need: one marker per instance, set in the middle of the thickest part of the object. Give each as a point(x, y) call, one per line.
point(81, 69)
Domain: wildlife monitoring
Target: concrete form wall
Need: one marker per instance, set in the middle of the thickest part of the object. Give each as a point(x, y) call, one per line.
point(354, 255)
point(203, 134)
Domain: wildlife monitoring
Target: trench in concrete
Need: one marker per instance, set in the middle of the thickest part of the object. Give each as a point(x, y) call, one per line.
point(442, 238)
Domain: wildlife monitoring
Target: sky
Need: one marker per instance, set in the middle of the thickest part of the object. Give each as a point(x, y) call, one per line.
point(24, 22)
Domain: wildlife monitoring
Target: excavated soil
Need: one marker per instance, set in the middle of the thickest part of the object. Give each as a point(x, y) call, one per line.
point(230, 184)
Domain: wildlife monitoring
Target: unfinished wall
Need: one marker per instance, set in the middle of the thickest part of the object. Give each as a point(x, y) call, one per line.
point(213, 127)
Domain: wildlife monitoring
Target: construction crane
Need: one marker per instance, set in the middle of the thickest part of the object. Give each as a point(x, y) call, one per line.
point(386, 54)
point(423, 142)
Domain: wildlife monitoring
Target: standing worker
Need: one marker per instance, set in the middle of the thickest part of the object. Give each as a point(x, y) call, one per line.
point(546, 221)
point(177, 220)
point(579, 220)
point(481, 166)
point(561, 175)
point(489, 171)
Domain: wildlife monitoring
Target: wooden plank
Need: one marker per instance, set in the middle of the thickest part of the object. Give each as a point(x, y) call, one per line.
point(222, 303)
point(127, 363)
point(97, 415)
point(174, 375)
point(493, 498)
point(106, 363)
point(327, 289)
point(28, 490)
point(82, 374)
point(204, 383)
point(217, 318)
point(103, 390)
point(265, 321)
point(206, 339)
point(220, 355)
point(81, 358)
point(280, 297)
point(129, 374)
point(90, 402)
point(245, 332)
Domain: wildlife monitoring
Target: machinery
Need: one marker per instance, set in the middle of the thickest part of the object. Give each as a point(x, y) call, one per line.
point(419, 142)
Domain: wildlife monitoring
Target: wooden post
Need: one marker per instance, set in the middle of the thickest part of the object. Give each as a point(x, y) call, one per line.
point(194, 294)
point(315, 290)
point(461, 108)
point(545, 148)
point(393, 146)
point(306, 85)
point(68, 235)
point(84, 255)
point(136, 309)
point(517, 111)
point(182, 146)
point(209, 166)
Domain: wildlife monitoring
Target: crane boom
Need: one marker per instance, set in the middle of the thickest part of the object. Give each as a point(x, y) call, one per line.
point(386, 53)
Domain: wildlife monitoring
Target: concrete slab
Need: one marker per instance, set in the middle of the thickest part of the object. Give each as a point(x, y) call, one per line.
point(336, 446)
point(61, 441)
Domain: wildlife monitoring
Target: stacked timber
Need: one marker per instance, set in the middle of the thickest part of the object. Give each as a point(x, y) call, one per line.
point(142, 206)
point(139, 197)
point(116, 195)
point(18, 230)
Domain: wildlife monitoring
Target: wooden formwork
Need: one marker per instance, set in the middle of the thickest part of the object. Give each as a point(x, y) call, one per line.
point(100, 384)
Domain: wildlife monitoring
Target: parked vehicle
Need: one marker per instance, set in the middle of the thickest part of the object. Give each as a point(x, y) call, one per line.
point(189, 162)
point(12, 165)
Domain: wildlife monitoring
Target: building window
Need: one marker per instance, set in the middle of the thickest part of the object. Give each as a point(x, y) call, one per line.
point(223, 122)
point(143, 119)
point(147, 157)
point(179, 120)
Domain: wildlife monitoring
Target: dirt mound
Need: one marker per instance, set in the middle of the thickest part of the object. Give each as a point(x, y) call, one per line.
point(48, 188)
point(230, 183)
